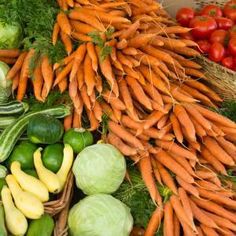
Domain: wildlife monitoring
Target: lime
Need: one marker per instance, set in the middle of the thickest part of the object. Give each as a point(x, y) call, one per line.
point(31, 172)
point(78, 139)
point(24, 154)
point(52, 156)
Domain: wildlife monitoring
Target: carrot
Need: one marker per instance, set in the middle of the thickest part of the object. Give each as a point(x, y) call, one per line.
point(138, 91)
point(68, 122)
point(175, 149)
point(152, 119)
point(67, 42)
point(118, 143)
point(98, 84)
point(188, 187)
point(122, 44)
point(140, 40)
point(207, 185)
point(117, 113)
point(217, 151)
point(229, 147)
point(180, 213)
point(154, 222)
point(124, 135)
point(217, 198)
point(172, 165)
point(156, 172)
point(123, 59)
point(92, 54)
point(185, 121)
point(215, 117)
point(221, 221)
point(176, 226)
point(82, 28)
point(63, 73)
point(166, 178)
point(47, 73)
point(200, 215)
point(63, 85)
point(64, 23)
point(199, 129)
point(55, 33)
point(10, 53)
point(24, 75)
point(77, 120)
point(38, 82)
point(206, 154)
point(113, 100)
point(147, 176)
point(205, 174)
point(17, 66)
point(78, 59)
point(106, 70)
point(70, 3)
point(208, 230)
point(199, 230)
point(97, 111)
point(168, 220)
point(170, 42)
point(112, 4)
point(15, 82)
point(85, 97)
point(176, 128)
point(80, 76)
point(163, 121)
point(94, 124)
point(130, 51)
point(153, 93)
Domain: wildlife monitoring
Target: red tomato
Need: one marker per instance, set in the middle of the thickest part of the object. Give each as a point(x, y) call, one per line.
point(234, 59)
point(227, 53)
point(232, 46)
point(228, 62)
point(187, 35)
point(233, 32)
point(204, 46)
point(211, 10)
point(230, 10)
point(202, 26)
point(184, 15)
point(217, 52)
point(219, 36)
point(224, 23)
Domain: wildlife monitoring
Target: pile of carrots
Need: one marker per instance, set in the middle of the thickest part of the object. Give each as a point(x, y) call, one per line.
point(131, 65)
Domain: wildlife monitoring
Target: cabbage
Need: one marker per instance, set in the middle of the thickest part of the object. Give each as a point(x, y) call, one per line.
point(99, 168)
point(10, 35)
point(100, 215)
point(5, 84)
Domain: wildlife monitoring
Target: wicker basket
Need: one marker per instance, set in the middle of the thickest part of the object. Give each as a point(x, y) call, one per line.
point(221, 79)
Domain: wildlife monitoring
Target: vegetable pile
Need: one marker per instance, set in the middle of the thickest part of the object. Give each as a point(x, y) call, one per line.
point(214, 30)
point(131, 78)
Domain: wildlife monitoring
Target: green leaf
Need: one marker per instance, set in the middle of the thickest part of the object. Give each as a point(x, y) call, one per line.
point(96, 38)
point(105, 52)
point(109, 32)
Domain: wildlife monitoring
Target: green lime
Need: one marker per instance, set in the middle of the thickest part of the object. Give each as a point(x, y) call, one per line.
point(78, 139)
point(2, 183)
point(31, 172)
point(52, 156)
point(24, 154)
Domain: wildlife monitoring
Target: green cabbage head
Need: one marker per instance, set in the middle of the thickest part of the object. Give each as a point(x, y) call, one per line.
point(99, 168)
point(100, 215)
point(10, 35)
point(5, 84)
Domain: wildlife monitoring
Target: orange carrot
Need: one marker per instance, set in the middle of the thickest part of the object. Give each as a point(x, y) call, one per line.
point(229, 147)
point(77, 120)
point(176, 128)
point(10, 53)
point(38, 82)
point(55, 33)
point(68, 122)
point(67, 42)
point(92, 54)
point(110, 97)
point(188, 187)
point(63, 85)
point(94, 124)
point(63, 73)
point(168, 220)
point(85, 97)
point(208, 230)
point(17, 66)
point(176, 226)
point(64, 23)
point(15, 82)
point(82, 28)
point(152, 119)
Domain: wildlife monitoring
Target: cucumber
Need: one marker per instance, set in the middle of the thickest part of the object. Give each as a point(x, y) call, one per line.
point(41, 227)
point(3, 231)
point(12, 133)
point(13, 107)
point(6, 121)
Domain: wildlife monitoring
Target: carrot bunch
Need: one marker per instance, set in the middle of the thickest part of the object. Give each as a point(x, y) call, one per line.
point(129, 64)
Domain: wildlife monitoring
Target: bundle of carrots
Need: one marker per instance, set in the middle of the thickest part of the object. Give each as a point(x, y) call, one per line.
point(131, 66)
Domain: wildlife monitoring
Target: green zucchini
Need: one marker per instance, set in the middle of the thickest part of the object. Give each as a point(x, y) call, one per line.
point(3, 231)
point(41, 227)
point(6, 121)
point(12, 133)
point(3, 172)
point(13, 107)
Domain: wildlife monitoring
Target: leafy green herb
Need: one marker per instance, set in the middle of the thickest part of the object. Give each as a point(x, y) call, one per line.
point(106, 50)
point(109, 32)
point(228, 109)
point(105, 119)
point(96, 38)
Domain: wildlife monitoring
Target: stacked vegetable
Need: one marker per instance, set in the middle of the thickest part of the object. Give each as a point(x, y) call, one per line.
point(128, 70)
point(214, 29)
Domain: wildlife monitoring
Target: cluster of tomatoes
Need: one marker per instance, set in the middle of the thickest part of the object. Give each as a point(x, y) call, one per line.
point(214, 29)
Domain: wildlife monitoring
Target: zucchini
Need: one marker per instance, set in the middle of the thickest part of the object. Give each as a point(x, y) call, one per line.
point(12, 133)
point(3, 173)
point(13, 107)
point(41, 227)
point(6, 121)
point(3, 231)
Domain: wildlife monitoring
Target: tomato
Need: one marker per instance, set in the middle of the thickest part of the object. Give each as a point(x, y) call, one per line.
point(232, 46)
point(204, 46)
point(230, 10)
point(184, 15)
point(187, 35)
point(233, 32)
point(224, 23)
point(234, 60)
point(202, 26)
point(219, 36)
point(217, 52)
point(228, 62)
point(211, 10)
